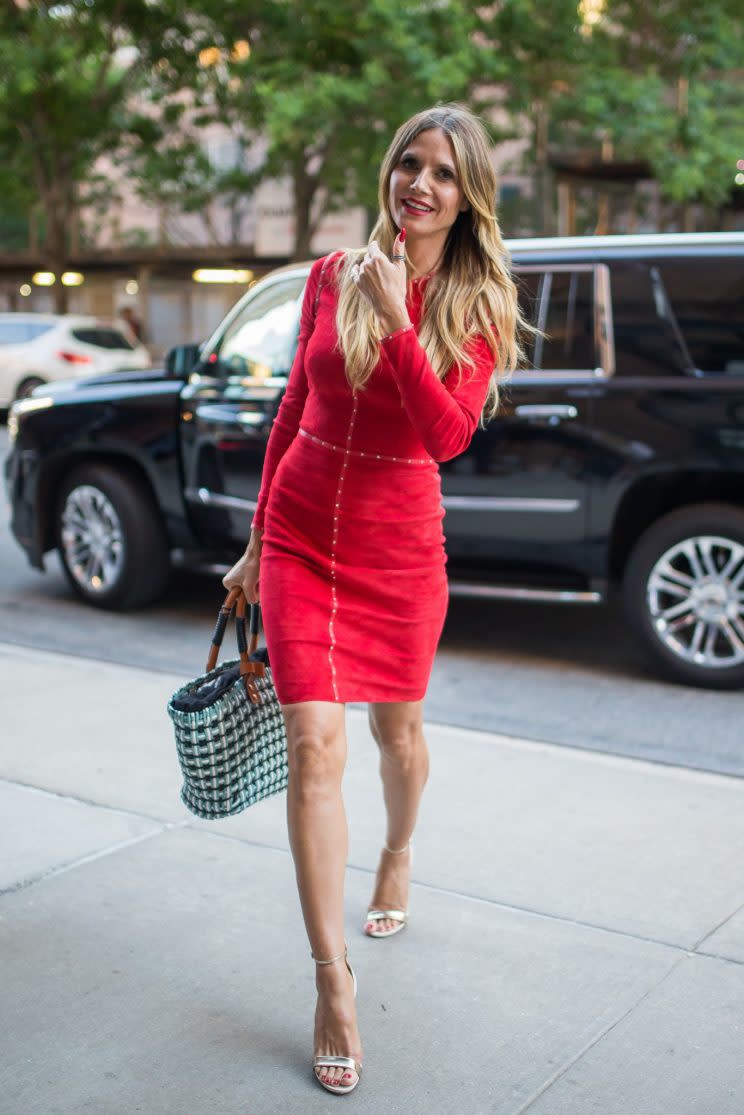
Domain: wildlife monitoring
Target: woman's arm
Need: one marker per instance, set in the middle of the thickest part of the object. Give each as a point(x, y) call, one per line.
point(443, 414)
point(289, 414)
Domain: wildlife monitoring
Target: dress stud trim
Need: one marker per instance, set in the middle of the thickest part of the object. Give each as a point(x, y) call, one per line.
point(336, 516)
point(364, 453)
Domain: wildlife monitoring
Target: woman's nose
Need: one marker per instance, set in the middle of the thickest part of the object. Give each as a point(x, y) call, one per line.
point(420, 180)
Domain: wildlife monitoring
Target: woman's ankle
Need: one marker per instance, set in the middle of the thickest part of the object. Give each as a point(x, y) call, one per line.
point(334, 977)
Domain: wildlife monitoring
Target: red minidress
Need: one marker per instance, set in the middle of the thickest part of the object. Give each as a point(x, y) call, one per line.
point(353, 583)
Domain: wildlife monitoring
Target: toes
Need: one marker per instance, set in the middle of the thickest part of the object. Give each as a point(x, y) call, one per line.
point(336, 1076)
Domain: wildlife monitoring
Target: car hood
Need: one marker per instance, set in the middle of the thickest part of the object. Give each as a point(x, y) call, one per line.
point(101, 379)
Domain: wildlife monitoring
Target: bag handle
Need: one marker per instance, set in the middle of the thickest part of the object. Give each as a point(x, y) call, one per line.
point(236, 601)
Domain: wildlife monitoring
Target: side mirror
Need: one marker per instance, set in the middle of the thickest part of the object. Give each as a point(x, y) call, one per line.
point(181, 360)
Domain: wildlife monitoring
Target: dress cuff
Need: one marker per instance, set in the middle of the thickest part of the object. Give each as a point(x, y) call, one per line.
point(396, 332)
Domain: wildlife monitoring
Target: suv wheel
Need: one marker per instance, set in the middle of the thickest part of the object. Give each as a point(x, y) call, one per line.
point(26, 386)
point(110, 538)
point(684, 594)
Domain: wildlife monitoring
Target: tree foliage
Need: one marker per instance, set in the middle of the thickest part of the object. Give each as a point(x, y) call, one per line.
point(660, 82)
point(326, 84)
point(68, 73)
point(314, 92)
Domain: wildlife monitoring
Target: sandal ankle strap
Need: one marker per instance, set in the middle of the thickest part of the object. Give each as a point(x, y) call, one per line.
point(340, 955)
point(397, 851)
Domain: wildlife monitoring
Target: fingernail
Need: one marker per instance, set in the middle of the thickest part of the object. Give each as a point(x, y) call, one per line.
point(402, 235)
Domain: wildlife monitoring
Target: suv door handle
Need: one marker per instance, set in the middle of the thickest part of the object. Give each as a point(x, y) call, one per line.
point(539, 410)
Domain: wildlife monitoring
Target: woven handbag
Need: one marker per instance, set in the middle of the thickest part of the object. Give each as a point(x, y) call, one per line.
point(230, 734)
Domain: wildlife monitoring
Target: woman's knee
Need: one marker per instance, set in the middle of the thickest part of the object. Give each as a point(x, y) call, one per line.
point(316, 746)
point(399, 734)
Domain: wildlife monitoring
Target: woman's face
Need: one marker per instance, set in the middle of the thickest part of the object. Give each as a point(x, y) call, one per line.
point(425, 194)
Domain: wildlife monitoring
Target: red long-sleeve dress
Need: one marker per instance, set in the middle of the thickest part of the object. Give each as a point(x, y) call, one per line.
point(352, 580)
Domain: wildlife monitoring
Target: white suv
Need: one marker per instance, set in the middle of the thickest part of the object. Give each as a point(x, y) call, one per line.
point(41, 348)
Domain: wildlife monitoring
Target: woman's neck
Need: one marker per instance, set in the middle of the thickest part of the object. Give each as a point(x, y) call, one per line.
point(424, 258)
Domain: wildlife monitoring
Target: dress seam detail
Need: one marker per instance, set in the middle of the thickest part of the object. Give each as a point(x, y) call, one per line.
point(366, 453)
point(336, 516)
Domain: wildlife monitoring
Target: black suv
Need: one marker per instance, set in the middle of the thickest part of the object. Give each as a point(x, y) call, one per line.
point(617, 459)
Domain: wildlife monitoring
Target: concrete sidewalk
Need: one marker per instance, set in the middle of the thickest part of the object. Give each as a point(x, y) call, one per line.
point(576, 942)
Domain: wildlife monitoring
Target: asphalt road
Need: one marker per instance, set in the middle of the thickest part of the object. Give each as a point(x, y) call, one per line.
point(566, 674)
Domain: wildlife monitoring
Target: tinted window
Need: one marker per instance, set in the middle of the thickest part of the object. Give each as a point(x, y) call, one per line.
point(561, 303)
point(528, 286)
point(103, 338)
point(647, 340)
point(707, 296)
point(17, 332)
point(261, 340)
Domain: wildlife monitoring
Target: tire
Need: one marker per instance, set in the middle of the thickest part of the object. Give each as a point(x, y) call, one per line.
point(26, 386)
point(691, 564)
point(110, 538)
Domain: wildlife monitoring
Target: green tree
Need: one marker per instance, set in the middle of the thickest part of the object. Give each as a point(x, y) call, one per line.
point(665, 83)
point(659, 83)
point(68, 73)
point(532, 53)
point(326, 84)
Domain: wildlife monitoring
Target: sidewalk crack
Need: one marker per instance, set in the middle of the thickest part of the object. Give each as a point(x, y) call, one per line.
point(61, 869)
point(548, 1084)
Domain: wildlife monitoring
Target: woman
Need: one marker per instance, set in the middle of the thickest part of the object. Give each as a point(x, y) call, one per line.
point(394, 366)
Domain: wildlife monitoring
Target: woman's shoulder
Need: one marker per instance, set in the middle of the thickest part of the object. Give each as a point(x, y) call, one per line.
point(324, 271)
point(332, 260)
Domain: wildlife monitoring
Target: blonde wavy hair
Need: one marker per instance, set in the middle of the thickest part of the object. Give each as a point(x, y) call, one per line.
point(473, 290)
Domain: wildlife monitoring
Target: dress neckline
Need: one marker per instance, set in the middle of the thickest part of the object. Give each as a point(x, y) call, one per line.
point(421, 278)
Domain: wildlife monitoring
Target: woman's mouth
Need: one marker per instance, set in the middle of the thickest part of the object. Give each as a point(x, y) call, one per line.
point(415, 207)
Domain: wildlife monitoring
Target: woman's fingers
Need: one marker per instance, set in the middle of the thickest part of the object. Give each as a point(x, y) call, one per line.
point(399, 247)
point(381, 281)
point(243, 576)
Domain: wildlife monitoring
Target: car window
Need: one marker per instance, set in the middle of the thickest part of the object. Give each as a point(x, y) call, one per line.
point(707, 296)
point(260, 341)
point(528, 289)
point(103, 338)
point(647, 338)
point(561, 303)
point(18, 332)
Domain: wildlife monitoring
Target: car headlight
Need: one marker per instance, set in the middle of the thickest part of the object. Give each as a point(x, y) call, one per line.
point(24, 406)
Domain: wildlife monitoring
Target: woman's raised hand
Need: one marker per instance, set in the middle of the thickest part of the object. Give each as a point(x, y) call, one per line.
point(383, 282)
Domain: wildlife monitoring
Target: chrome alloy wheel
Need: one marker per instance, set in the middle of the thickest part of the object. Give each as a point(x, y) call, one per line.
point(91, 536)
point(695, 599)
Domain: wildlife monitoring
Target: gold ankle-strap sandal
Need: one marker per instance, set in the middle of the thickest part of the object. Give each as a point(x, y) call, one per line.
point(401, 916)
point(332, 1060)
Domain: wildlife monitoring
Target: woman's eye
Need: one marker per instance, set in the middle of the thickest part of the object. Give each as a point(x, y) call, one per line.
point(445, 173)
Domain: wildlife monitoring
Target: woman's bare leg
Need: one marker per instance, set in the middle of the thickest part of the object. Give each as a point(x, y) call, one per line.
point(318, 837)
point(398, 729)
